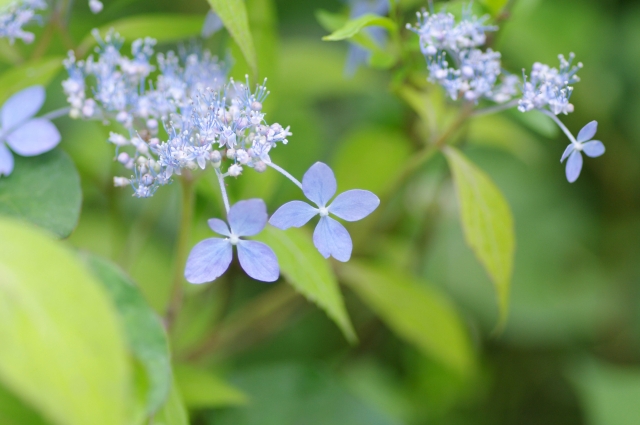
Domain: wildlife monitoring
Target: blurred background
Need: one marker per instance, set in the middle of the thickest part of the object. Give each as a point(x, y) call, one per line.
point(570, 353)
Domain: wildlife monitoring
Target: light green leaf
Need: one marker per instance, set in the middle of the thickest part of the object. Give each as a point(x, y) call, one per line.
point(354, 26)
point(609, 393)
point(538, 122)
point(13, 411)
point(144, 331)
point(500, 132)
point(414, 310)
point(330, 21)
point(494, 6)
point(44, 190)
point(62, 351)
point(37, 72)
point(174, 411)
point(233, 14)
point(164, 28)
point(309, 273)
point(487, 222)
point(201, 389)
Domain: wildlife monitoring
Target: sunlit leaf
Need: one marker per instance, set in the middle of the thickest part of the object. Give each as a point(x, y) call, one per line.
point(164, 28)
point(487, 222)
point(201, 389)
point(234, 17)
point(36, 72)
point(494, 6)
point(354, 26)
point(414, 310)
point(143, 328)
point(62, 351)
point(309, 273)
point(44, 190)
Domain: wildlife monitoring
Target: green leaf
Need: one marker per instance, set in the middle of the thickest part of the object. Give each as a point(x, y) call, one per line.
point(309, 273)
point(14, 411)
point(609, 393)
point(487, 222)
point(174, 411)
point(500, 132)
point(144, 331)
point(202, 389)
point(330, 21)
point(233, 14)
point(37, 72)
point(164, 28)
point(62, 350)
point(414, 310)
point(538, 122)
point(354, 26)
point(44, 190)
point(494, 6)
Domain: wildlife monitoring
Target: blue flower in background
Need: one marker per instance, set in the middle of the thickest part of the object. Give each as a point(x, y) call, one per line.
point(583, 143)
point(25, 135)
point(357, 55)
point(330, 237)
point(210, 258)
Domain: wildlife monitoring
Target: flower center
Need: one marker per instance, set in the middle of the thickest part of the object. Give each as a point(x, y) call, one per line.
point(324, 211)
point(233, 239)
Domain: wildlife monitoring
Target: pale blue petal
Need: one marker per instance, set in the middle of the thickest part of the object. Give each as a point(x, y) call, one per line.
point(258, 261)
point(248, 218)
point(587, 132)
point(219, 226)
point(34, 137)
point(208, 260)
point(292, 214)
point(332, 239)
point(593, 148)
point(574, 165)
point(567, 152)
point(354, 204)
point(356, 56)
point(21, 106)
point(319, 184)
point(6, 160)
point(212, 24)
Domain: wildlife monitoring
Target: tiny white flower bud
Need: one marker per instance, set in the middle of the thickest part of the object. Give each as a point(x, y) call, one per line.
point(147, 179)
point(256, 106)
point(260, 167)
point(215, 157)
point(231, 153)
point(120, 181)
point(123, 157)
point(235, 170)
point(242, 156)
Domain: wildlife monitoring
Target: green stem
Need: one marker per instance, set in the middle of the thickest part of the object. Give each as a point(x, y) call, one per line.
point(184, 231)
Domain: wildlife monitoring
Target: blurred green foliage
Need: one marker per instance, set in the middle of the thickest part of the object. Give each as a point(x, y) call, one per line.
point(245, 353)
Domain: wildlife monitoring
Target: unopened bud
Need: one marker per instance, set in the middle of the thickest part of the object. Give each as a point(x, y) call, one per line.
point(235, 170)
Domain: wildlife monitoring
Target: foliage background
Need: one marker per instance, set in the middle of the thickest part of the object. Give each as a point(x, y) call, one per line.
point(570, 352)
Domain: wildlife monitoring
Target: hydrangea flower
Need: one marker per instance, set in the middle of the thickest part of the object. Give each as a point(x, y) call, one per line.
point(583, 143)
point(18, 14)
point(330, 237)
point(25, 135)
point(210, 258)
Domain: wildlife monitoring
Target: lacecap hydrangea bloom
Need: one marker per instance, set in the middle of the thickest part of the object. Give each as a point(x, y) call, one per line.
point(15, 15)
point(20, 131)
point(457, 62)
point(191, 118)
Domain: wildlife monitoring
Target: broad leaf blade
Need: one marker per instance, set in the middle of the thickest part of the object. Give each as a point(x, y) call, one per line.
point(164, 28)
point(415, 311)
point(62, 351)
point(44, 190)
point(37, 72)
point(143, 329)
point(354, 26)
point(234, 17)
point(494, 6)
point(487, 222)
point(202, 389)
point(309, 273)
point(174, 411)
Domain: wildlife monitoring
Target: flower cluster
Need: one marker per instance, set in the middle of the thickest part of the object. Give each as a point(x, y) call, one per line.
point(18, 14)
point(456, 62)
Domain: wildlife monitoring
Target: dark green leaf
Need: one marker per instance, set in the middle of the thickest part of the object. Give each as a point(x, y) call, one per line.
point(309, 273)
point(415, 310)
point(62, 350)
point(14, 411)
point(144, 331)
point(487, 222)
point(233, 14)
point(44, 190)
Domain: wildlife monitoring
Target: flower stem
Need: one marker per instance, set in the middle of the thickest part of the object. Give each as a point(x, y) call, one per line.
point(561, 125)
point(56, 113)
point(223, 190)
point(284, 173)
point(188, 200)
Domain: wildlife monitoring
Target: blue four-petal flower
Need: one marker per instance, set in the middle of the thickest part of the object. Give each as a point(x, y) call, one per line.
point(210, 258)
point(583, 143)
point(330, 237)
point(25, 135)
